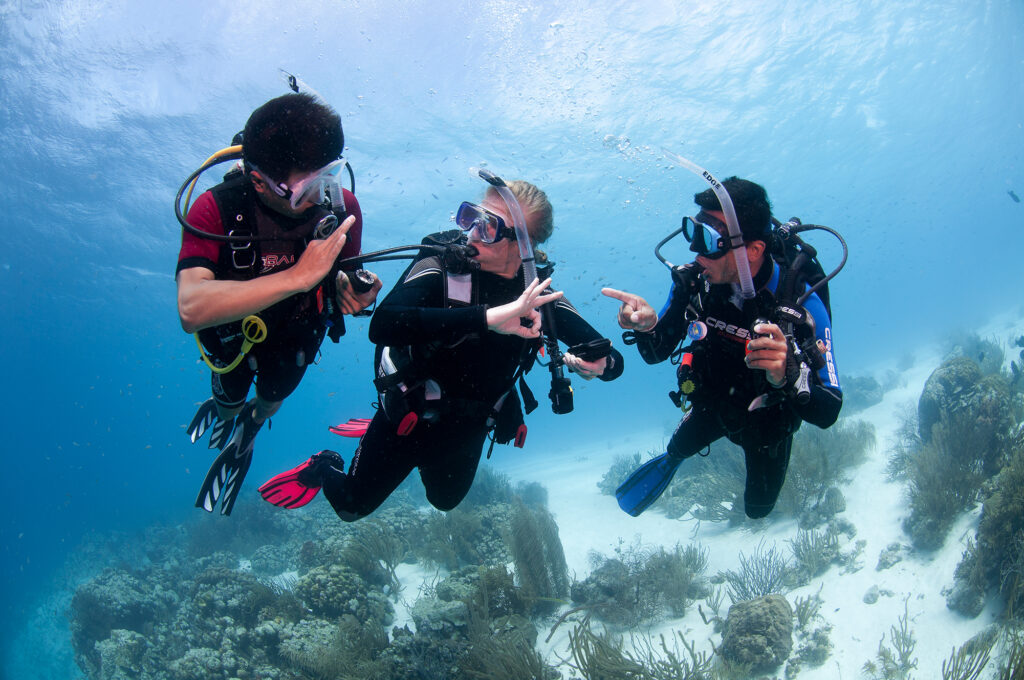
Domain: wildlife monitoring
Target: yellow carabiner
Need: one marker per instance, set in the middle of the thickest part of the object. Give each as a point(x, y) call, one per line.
point(254, 330)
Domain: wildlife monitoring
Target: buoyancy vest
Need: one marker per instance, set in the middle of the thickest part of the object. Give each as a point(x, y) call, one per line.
point(724, 384)
point(409, 395)
point(279, 241)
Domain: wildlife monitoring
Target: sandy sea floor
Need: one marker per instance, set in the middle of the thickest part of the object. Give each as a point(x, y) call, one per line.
point(591, 521)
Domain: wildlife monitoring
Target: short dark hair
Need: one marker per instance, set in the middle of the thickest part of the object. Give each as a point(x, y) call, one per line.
point(292, 132)
point(750, 200)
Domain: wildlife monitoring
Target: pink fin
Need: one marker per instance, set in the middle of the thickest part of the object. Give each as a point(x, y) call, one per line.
point(355, 427)
point(286, 491)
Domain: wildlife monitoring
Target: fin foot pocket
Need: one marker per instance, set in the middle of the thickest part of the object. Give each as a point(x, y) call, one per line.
point(300, 485)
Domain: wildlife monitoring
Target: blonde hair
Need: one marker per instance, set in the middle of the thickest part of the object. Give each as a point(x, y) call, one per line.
point(537, 209)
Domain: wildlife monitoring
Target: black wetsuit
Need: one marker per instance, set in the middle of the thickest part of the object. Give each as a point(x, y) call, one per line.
point(474, 367)
point(725, 386)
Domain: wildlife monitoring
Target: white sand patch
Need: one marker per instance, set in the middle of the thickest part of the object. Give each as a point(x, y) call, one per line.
point(414, 578)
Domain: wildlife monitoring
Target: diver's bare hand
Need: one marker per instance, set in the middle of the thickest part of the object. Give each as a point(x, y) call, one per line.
point(319, 256)
point(588, 370)
point(520, 317)
point(351, 302)
point(768, 353)
point(634, 314)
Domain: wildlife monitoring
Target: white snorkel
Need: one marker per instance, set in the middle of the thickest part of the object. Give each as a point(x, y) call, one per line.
point(518, 221)
point(739, 253)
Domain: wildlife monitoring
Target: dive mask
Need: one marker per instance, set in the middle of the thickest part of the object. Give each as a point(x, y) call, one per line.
point(487, 227)
point(707, 235)
point(320, 186)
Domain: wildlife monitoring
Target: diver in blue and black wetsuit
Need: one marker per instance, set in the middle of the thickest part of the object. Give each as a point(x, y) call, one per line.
point(742, 375)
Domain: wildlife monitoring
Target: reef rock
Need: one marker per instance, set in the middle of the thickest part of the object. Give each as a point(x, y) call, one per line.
point(860, 392)
point(334, 591)
point(947, 389)
point(121, 654)
point(758, 633)
point(438, 619)
point(116, 600)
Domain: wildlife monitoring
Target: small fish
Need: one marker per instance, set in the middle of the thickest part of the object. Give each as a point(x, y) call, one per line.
point(1016, 199)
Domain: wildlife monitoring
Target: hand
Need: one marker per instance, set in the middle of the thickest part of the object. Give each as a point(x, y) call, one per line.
point(508, 319)
point(318, 258)
point(634, 314)
point(588, 370)
point(351, 302)
point(768, 353)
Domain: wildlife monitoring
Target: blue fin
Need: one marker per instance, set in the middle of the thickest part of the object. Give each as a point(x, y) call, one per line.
point(646, 484)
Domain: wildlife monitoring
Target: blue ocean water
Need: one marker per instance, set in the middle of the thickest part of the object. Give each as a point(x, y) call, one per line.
point(899, 124)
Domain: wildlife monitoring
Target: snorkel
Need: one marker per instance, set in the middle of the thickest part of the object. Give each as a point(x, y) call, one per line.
point(739, 253)
point(518, 221)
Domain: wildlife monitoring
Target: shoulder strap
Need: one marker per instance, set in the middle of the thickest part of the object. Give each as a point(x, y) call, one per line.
point(233, 197)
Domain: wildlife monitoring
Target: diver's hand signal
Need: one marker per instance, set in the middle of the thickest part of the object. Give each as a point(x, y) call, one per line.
point(634, 314)
point(520, 317)
point(318, 258)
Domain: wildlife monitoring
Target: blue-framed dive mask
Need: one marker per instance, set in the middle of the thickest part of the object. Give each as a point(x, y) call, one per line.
point(707, 235)
point(482, 224)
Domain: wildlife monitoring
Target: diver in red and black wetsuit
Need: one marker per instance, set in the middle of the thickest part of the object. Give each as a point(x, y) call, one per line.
point(253, 274)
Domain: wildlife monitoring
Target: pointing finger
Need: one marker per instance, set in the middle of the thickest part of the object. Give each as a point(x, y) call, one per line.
point(619, 295)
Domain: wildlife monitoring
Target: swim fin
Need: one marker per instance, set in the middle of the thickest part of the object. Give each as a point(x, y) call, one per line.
point(206, 416)
point(225, 476)
point(298, 486)
point(646, 484)
point(355, 427)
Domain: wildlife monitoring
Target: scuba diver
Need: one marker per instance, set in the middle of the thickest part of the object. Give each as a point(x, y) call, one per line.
point(257, 277)
point(451, 345)
point(759, 359)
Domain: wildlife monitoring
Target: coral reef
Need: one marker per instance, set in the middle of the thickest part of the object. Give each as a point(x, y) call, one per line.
point(598, 656)
point(964, 420)
point(466, 537)
point(764, 573)
point(301, 596)
point(116, 600)
point(987, 353)
point(969, 660)
point(819, 463)
point(894, 662)
point(538, 557)
point(640, 585)
point(621, 468)
point(334, 591)
point(813, 553)
point(995, 560)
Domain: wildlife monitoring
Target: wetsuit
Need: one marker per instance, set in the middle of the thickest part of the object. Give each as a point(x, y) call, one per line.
point(725, 386)
point(473, 366)
point(295, 329)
